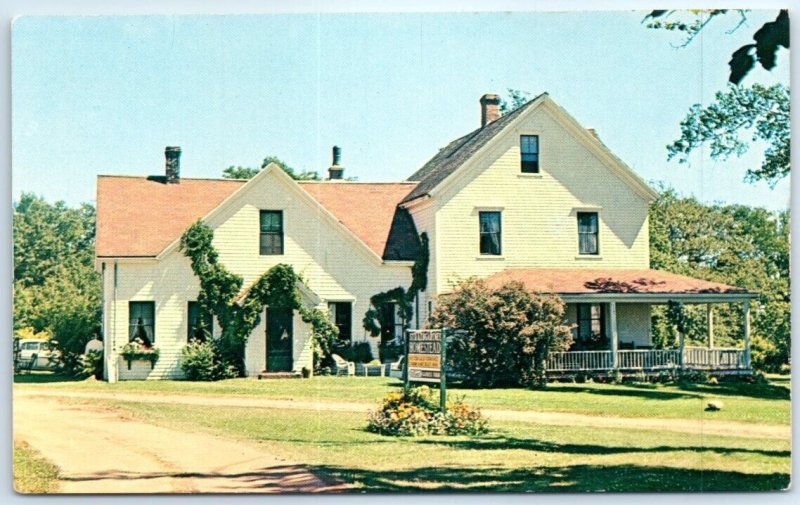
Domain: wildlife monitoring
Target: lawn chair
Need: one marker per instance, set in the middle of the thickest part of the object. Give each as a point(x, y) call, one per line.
point(342, 366)
point(26, 365)
point(396, 368)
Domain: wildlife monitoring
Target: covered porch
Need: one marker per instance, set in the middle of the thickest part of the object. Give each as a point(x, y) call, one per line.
point(618, 303)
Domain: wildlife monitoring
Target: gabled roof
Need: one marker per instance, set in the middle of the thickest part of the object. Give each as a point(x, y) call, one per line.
point(453, 156)
point(585, 281)
point(457, 152)
point(141, 216)
point(366, 209)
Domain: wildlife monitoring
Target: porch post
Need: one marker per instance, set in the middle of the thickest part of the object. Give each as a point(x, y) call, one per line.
point(710, 311)
point(612, 314)
point(747, 333)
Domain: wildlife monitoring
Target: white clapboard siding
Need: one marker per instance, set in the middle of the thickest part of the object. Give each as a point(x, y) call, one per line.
point(335, 266)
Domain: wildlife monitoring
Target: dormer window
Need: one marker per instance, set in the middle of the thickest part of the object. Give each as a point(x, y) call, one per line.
point(529, 149)
point(271, 238)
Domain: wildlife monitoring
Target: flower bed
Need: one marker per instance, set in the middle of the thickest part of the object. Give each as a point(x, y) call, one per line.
point(416, 412)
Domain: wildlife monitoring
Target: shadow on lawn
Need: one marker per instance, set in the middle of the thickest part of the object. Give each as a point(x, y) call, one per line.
point(759, 391)
point(42, 378)
point(554, 479)
point(504, 443)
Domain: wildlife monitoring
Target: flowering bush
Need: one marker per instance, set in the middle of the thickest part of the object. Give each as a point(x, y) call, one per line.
point(416, 412)
point(136, 349)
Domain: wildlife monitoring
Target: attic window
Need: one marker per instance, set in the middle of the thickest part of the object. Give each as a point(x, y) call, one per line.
point(271, 237)
point(490, 233)
point(588, 232)
point(529, 149)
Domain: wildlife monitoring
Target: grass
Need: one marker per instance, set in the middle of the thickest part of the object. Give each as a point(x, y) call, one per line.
point(32, 473)
point(515, 456)
point(755, 403)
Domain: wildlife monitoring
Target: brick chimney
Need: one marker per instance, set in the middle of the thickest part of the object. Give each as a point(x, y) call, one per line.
point(335, 171)
point(173, 164)
point(490, 109)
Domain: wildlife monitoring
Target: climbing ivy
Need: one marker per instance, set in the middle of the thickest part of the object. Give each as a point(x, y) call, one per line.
point(239, 313)
point(374, 318)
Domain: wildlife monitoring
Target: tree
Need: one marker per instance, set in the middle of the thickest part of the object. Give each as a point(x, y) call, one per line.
point(760, 111)
point(506, 332)
point(732, 244)
point(55, 286)
point(517, 98)
point(767, 39)
point(248, 172)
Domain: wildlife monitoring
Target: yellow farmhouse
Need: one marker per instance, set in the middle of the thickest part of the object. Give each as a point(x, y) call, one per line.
point(530, 196)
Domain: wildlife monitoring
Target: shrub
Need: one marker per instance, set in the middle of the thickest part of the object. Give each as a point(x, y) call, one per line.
point(357, 352)
point(416, 412)
point(506, 332)
point(390, 352)
point(693, 377)
point(93, 364)
point(201, 361)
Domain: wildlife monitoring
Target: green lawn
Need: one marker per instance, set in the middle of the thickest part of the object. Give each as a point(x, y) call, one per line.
point(754, 403)
point(515, 456)
point(32, 473)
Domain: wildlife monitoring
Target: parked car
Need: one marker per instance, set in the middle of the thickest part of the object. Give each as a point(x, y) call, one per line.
point(46, 354)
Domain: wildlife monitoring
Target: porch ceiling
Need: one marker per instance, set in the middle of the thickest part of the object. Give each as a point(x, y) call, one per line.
point(621, 285)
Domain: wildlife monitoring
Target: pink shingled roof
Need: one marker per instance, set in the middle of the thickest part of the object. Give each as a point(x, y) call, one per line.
point(137, 216)
point(596, 280)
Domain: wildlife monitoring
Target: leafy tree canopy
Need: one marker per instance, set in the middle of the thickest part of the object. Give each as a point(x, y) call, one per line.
point(732, 244)
point(516, 99)
point(56, 289)
point(759, 111)
point(766, 40)
point(237, 172)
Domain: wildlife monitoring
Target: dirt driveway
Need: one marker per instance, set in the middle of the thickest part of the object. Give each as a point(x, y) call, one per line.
point(102, 451)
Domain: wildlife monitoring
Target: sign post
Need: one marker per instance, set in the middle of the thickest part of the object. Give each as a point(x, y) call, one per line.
point(443, 373)
point(425, 360)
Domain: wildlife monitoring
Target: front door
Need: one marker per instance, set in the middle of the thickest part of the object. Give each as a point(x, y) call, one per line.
point(279, 340)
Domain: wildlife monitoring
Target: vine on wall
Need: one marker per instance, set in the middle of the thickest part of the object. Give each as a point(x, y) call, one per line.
point(239, 315)
point(374, 318)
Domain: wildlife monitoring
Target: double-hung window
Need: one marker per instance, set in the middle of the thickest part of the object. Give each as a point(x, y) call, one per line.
point(491, 235)
point(342, 315)
point(271, 238)
point(200, 324)
point(591, 322)
point(588, 239)
point(529, 150)
point(142, 322)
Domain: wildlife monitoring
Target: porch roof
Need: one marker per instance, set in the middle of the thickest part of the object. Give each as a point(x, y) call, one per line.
point(631, 285)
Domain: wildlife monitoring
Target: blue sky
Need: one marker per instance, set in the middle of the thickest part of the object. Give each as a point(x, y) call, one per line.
point(104, 95)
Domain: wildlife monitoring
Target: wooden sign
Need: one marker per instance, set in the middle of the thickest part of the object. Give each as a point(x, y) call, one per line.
point(424, 356)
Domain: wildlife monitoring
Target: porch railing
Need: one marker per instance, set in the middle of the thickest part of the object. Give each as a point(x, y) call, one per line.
point(693, 358)
point(579, 360)
point(713, 359)
point(648, 359)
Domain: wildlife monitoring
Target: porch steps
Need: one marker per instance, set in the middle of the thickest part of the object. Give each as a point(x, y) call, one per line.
point(278, 375)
